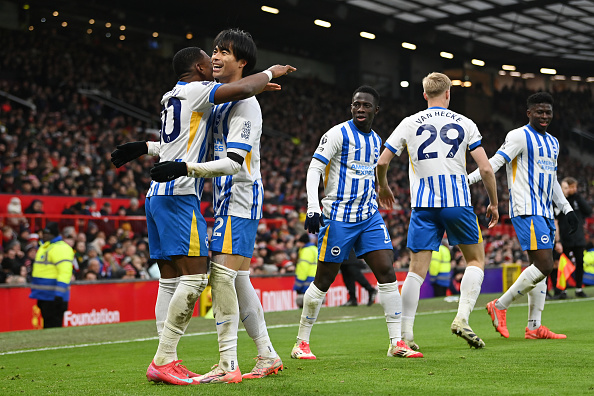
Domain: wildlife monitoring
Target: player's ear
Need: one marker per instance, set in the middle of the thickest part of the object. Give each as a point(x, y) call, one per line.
point(377, 108)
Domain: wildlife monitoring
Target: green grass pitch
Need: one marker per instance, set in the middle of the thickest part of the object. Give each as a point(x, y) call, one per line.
point(350, 343)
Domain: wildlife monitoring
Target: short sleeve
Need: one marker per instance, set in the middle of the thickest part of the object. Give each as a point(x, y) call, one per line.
point(396, 142)
point(200, 95)
point(474, 136)
point(245, 121)
point(329, 145)
point(513, 145)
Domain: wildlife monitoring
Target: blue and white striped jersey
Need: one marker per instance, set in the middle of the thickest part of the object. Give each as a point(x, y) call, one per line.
point(349, 180)
point(185, 120)
point(238, 125)
point(436, 140)
point(531, 166)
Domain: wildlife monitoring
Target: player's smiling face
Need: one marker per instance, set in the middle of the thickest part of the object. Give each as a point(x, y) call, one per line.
point(363, 110)
point(226, 68)
point(540, 116)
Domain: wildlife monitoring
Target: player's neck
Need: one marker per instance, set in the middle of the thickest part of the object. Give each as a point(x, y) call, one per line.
point(437, 103)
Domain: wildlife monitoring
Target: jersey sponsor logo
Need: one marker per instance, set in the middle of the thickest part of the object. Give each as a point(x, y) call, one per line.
point(544, 239)
point(363, 170)
point(547, 165)
point(335, 251)
point(324, 140)
point(219, 146)
point(245, 131)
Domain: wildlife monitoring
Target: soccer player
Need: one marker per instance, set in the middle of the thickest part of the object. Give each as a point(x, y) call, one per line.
point(176, 228)
point(347, 156)
point(238, 196)
point(530, 154)
point(437, 140)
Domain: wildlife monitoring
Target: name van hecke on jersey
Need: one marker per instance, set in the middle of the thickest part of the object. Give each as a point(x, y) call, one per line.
point(439, 113)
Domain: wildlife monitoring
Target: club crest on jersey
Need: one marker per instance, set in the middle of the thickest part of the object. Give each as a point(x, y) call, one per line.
point(544, 239)
point(245, 131)
point(335, 251)
point(376, 153)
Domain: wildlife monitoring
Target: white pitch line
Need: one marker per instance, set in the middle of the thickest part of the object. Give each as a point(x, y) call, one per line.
point(348, 319)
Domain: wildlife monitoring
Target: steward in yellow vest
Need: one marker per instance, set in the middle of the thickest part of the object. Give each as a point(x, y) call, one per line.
point(439, 271)
point(51, 275)
point(305, 269)
point(589, 267)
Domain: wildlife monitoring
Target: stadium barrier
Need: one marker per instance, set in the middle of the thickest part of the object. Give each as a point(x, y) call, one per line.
point(107, 224)
point(104, 302)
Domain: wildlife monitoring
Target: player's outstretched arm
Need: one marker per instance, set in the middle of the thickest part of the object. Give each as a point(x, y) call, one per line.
point(251, 85)
point(488, 177)
point(385, 197)
point(496, 161)
point(170, 170)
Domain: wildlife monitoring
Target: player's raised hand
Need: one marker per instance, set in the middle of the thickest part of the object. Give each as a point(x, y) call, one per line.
point(168, 170)
point(313, 221)
point(493, 214)
point(127, 152)
point(279, 70)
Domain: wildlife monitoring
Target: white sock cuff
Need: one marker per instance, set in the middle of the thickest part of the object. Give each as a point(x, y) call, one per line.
point(222, 270)
point(534, 274)
point(417, 278)
point(315, 292)
point(387, 287)
point(474, 268)
point(193, 277)
point(169, 281)
point(195, 280)
point(243, 273)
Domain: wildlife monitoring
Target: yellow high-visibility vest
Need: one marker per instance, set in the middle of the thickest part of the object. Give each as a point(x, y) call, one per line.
point(52, 271)
point(439, 270)
point(305, 269)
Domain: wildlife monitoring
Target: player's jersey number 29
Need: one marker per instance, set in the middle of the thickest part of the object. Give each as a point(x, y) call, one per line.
point(422, 154)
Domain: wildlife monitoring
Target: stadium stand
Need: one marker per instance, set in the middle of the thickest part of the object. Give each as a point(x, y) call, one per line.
point(55, 140)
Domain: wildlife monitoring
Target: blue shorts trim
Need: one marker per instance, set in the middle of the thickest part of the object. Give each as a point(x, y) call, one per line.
point(337, 238)
point(175, 226)
point(427, 226)
point(234, 235)
point(535, 232)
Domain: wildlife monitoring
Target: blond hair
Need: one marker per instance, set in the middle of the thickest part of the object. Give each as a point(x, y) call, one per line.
point(435, 84)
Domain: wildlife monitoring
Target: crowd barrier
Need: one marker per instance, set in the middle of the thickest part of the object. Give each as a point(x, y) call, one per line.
point(125, 301)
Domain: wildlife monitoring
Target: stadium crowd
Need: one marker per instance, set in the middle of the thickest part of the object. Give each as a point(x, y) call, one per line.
point(62, 147)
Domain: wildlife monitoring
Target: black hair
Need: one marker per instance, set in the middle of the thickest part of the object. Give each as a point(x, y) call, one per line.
point(539, 97)
point(241, 43)
point(185, 58)
point(369, 90)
